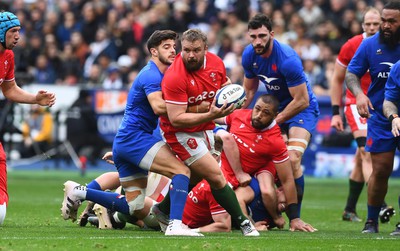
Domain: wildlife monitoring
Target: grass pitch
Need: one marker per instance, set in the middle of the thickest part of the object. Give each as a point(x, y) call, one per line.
point(33, 222)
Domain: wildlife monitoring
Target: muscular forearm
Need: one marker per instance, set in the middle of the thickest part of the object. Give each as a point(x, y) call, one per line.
point(291, 110)
point(16, 94)
point(389, 108)
point(353, 83)
point(270, 202)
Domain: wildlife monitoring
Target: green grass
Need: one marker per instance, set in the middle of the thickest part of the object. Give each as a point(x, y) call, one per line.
point(33, 222)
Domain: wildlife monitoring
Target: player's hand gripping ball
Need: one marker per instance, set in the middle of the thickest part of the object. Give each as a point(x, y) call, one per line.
point(232, 94)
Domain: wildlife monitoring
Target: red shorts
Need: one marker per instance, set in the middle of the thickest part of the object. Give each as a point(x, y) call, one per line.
point(355, 121)
point(269, 168)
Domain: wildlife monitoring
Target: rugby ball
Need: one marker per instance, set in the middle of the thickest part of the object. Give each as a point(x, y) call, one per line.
point(231, 94)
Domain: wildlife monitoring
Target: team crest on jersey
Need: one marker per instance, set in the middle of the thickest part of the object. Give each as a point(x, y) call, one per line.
point(255, 66)
point(274, 67)
point(241, 126)
point(378, 51)
point(363, 120)
point(258, 138)
point(192, 82)
point(192, 143)
point(212, 75)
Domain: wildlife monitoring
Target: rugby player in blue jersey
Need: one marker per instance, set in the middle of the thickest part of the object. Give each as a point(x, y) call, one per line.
point(280, 69)
point(391, 111)
point(377, 54)
point(136, 151)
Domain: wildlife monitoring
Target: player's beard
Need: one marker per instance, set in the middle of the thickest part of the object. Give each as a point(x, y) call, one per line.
point(391, 40)
point(193, 64)
point(257, 124)
point(164, 60)
point(265, 49)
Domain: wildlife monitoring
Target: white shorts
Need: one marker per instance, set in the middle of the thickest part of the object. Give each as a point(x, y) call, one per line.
point(190, 146)
point(355, 121)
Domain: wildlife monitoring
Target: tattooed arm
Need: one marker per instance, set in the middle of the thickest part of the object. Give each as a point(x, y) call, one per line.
point(390, 111)
point(363, 102)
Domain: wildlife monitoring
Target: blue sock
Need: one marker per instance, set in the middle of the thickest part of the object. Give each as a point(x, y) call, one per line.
point(299, 182)
point(113, 201)
point(373, 213)
point(178, 194)
point(94, 185)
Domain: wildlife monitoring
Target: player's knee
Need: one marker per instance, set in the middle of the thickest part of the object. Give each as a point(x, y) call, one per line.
point(138, 202)
point(216, 181)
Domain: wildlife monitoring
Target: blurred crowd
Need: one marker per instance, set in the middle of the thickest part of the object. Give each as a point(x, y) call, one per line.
point(100, 43)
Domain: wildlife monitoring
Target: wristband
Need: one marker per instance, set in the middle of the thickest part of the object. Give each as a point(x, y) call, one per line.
point(393, 116)
point(335, 110)
point(292, 211)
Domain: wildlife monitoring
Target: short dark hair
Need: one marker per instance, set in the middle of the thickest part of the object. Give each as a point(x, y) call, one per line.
point(392, 5)
point(270, 99)
point(159, 36)
point(258, 21)
point(192, 35)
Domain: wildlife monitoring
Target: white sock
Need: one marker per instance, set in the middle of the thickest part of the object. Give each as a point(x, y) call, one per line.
point(80, 192)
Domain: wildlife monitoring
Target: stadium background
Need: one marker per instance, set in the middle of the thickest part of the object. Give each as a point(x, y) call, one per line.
point(58, 38)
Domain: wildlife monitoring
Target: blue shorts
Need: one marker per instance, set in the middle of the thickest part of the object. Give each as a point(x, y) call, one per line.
point(129, 151)
point(306, 119)
point(380, 138)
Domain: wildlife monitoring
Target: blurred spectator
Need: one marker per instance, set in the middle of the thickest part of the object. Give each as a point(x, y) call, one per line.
point(65, 29)
point(95, 76)
point(113, 79)
point(235, 28)
point(311, 13)
point(80, 47)
point(124, 63)
point(82, 130)
point(123, 36)
point(37, 132)
point(43, 72)
point(70, 65)
point(90, 24)
point(102, 46)
point(236, 74)
point(179, 19)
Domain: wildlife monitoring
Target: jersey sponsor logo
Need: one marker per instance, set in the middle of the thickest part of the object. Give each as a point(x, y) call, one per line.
point(192, 143)
point(267, 81)
point(386, 73)
point(203, 96)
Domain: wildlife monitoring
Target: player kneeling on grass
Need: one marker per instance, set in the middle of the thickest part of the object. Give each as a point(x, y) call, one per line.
point(259, 144)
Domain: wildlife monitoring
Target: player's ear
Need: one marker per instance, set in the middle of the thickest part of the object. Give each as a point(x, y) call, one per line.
point(154, 52)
